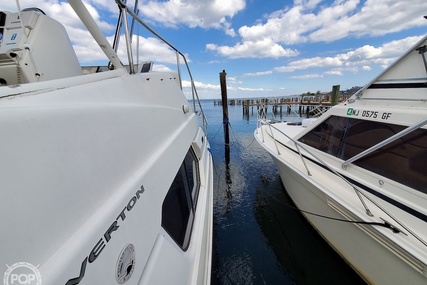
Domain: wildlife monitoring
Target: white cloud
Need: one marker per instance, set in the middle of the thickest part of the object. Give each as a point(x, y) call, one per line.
point(150, 49)
point(284, 26)
point(310, 21)
point(263, 48)
point(259, 73)
point(62, 12)
point(307, 76)
point(344, 18)
point(334, 72)
point(360, 58)
point(310, 63)
point(234, 80)
point(193, 13)
point(161, 68)
point(200, 85)
point(86, 48)
point(252, 89)
point(230, 32)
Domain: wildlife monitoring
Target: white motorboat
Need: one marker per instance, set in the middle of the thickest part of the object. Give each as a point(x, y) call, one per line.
point(358, 173)
point(106, 178)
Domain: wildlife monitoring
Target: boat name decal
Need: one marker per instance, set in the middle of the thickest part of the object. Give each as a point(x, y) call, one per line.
point(103, 241)
point(368, 114)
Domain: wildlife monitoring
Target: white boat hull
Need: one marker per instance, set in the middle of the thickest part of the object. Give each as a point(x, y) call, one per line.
point(106, 178)
point(374, 262)
point(358, 172)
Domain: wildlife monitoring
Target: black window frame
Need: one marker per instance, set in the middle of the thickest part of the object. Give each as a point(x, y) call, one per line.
point(179, 205)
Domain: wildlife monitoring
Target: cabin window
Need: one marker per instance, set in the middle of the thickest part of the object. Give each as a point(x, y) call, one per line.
point(404, 160)
point(179, 206)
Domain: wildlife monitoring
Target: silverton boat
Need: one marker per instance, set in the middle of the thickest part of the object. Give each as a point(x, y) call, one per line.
point(106, 178)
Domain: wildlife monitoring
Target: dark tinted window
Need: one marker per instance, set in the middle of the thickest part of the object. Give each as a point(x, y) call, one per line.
point(2, 19)
point(192, 171)
point(404, 160)
point(180, 202)
point(327, 136)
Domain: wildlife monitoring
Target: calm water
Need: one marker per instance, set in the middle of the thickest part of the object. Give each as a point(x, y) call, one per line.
point(257, 238)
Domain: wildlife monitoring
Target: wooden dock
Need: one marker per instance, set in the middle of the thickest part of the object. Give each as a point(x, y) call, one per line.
point(308, 104)
point(278, 107)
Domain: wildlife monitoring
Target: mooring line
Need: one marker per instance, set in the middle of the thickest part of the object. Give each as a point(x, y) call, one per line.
point(211, 139)
point(385, 224)
point(234, 134)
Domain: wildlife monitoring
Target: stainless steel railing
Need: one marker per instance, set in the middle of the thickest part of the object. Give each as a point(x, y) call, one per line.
point(124, 11)
point(361, 196)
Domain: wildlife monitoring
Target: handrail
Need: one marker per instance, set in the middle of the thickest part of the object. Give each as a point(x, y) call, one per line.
point(95, 31)
point(358, 192)
point(123, 7)
point(128, 43)
point(422, 50)
point(385, 142)
point(318, 111)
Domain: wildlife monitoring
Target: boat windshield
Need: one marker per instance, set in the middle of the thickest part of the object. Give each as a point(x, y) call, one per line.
point(403, 160)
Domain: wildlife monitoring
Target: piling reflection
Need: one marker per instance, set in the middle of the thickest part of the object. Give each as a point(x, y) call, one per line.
point(228, 181)
point(258, 240)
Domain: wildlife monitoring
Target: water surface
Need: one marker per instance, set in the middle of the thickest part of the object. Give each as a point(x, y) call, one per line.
point(258, 238)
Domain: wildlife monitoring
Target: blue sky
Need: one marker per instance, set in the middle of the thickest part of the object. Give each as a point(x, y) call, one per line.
point(267, 47)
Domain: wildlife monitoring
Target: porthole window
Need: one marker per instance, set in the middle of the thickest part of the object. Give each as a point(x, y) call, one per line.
point(179, 206)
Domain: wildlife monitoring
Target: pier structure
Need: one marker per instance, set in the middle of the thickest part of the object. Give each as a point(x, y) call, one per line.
point(309, 104)
point(281, 107)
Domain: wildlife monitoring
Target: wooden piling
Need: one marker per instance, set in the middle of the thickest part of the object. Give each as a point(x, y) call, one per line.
point(335, 94)
point(225, 120)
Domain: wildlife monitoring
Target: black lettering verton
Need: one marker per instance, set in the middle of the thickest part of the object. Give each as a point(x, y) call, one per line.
point(77, 280)
point(100, 245)
point(112, 228)
point(96, 250)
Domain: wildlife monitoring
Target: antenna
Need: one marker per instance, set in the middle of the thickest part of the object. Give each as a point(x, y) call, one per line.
point(22, 21)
